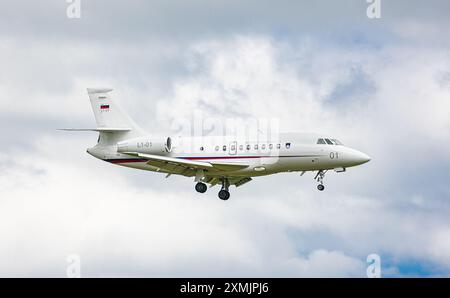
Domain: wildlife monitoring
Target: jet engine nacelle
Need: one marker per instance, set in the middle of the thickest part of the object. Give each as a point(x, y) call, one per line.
point(149, 145)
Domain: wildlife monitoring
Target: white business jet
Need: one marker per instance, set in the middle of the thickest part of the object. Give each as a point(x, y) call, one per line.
point(224, 160)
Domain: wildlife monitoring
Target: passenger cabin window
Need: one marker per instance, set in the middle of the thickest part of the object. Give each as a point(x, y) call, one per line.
point(241, 147)
point(217, 148)
point(263, 146)
point(329, 142)
point(224, 148)
point(233, 147)
point(256, 147)
point(202, 148)
point(288, 145)
point(321, 141)
point(270, 146)
point(278, 146)
point(248, 146)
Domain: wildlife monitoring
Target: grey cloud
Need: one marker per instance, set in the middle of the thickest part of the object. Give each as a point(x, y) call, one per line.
point(183, 20)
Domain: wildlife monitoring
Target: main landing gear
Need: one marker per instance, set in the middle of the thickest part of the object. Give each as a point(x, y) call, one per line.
point(224, 194)
point(319, 177)
point(201, 187)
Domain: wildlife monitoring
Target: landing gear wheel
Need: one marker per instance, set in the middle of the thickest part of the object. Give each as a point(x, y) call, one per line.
point(201, 187)
point(224, 194)
point(319, 178)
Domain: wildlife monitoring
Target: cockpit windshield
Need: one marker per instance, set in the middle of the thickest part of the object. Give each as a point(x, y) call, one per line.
point(328, 141)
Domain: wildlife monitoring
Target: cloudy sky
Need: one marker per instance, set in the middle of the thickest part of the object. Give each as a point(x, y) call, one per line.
point(380, 85)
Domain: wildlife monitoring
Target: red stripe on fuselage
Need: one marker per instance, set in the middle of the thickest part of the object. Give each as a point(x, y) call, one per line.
point(247, 157)
point(222, 157)
point(126, 160)
point(130, 160)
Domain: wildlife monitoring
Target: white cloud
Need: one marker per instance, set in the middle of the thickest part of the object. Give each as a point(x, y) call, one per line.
point(57, 200)
point(439, 246)
point(52, 207)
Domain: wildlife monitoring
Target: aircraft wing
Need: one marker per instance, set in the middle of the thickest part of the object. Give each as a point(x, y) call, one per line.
point(228, 166)
point(170, 164)
point(238, 181)
point(187, 167)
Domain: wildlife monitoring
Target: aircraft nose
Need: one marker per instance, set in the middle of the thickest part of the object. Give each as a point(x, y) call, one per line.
point(352, 157)
point(360, 157)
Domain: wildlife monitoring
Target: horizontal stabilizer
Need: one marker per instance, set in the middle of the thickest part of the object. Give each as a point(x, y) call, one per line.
point(99, 90)
point(99, 129)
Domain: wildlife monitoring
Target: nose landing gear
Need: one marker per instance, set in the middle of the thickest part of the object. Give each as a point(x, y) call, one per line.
point(319, 178)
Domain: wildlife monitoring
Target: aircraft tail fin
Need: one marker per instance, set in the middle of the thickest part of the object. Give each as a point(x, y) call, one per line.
point(113, 123)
